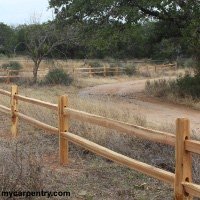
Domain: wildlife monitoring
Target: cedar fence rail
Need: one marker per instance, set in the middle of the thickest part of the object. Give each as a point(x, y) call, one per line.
point(181, 180)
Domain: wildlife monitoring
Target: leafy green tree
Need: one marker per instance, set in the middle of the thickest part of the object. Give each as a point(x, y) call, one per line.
point(40, 41)
point(20, 46)
point(191, 37)
point(179, 13)
point(7, 39)
point(119, 41)
point(171, 22)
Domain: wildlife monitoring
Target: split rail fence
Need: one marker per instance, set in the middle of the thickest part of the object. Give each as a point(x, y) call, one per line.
point(107, 71)
point(8, 74)
point(181, 180)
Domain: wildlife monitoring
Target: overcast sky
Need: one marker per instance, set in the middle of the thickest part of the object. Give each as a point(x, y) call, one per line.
point(14, 12)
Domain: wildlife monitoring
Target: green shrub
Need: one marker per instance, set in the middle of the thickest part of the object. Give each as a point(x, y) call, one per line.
point(117, 64)
point(160, 88)
point(12, 66)
point(189, 86)
point(98, 67)
point(95, 64)
point(130, 70)
point(58, 76)
point(183, 87)
point(112, 69)
point(186, 62)
point(3, 55)
point(189, 63)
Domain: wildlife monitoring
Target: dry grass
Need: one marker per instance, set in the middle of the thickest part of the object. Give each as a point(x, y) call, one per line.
point(143, 69)
point(166, 90)
point(87, 176)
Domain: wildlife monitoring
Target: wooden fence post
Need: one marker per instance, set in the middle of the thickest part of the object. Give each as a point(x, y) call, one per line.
point(8, 76)
point(63, 127)
point(14, 109)
point(90, 71)
point(183, 169)
point(176, 66)
point(155, 68)
point(73, 71)
point(104, 70)
point(117, 71)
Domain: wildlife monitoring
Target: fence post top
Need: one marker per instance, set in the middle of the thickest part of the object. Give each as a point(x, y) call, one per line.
point(182, 119)
point(63, 96)
point(14, 86)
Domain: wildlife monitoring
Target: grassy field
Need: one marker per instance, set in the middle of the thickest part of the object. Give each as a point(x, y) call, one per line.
point(143, 68)
point(31, 162)
point(87, 176)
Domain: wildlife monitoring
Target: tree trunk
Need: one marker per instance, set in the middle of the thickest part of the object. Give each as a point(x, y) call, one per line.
point(35, 71)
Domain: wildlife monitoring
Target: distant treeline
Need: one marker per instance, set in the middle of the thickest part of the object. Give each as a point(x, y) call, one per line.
point(116, 40)
point(112, 28)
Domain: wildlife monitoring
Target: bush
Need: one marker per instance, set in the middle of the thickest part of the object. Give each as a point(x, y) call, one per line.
point(58, 76)
point(189, 63)
point(98, 67)
point(3, 55)
point(186, 62)
point(183, 87)
point(189, 86)
point(12, 66)
point(113, 67)
point(130, 70)
point(160, 88)
point(95, 64)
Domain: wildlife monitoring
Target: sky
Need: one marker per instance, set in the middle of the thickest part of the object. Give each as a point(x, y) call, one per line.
point(15, 12)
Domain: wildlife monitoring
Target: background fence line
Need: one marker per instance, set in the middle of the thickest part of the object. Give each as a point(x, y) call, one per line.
point(9, 74)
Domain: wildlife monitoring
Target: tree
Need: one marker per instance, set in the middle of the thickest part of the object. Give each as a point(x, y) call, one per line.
point(7, 39)
point(172, 17)
point(40, 40)
point(178, 12)
point(115, 40)
point(192, 38)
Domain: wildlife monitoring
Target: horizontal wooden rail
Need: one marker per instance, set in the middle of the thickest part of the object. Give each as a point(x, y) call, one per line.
point(167, 65)
point(4, 92)
point(6, 70)
point(5, 110)
point(149, 134)
point(192, 146)
point(11, 76)
point(96, 68)
point(192, 189)
point(39, 70)
point(90, 72)
point(160, 174)
point(88, 68)
point(37, 102)
point(114, 71)
point(97, 72)
point(37, 123)
point(9, 70)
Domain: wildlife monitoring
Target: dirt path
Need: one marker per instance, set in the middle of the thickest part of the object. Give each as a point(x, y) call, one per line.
point(130, 95)
point(122, 88)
